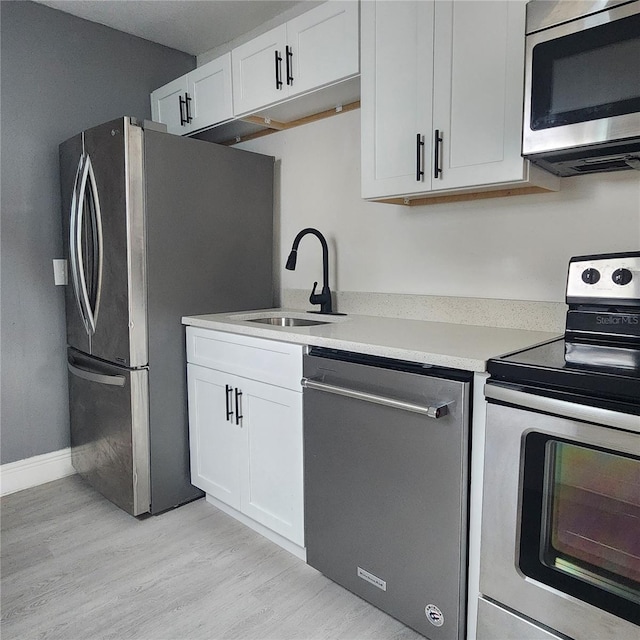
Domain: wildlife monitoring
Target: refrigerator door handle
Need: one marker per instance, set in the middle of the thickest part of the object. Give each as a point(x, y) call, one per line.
point(74, 248)
point(96, 225)
point(96, 219)
point(80, 282)
point(92, 376)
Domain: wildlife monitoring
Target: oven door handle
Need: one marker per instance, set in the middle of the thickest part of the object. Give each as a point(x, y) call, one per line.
point(435, 411)
point(595, 415)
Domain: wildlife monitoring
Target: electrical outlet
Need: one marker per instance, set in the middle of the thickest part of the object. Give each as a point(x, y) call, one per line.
point(60, 272)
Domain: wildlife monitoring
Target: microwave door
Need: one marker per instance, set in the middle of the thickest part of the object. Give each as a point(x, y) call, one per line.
point(581, 85)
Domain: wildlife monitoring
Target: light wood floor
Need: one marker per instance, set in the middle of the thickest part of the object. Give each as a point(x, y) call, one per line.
point(75, 567)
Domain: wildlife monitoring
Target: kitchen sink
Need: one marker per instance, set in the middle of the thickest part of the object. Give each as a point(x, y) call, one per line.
point(288, 321)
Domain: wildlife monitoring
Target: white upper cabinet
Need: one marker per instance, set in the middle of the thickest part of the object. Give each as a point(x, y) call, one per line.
point(167, 105)
point(323, 46)
point(259, 71)
point(210, 88)
point(441, 98)
point(478, 67)
point(396, 85)
point(318, 48)
point(196, 100)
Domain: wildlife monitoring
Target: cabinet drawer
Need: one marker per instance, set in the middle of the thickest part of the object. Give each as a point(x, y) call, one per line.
point(277, 363)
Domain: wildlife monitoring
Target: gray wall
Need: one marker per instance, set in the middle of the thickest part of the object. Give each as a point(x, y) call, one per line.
point(60, 74)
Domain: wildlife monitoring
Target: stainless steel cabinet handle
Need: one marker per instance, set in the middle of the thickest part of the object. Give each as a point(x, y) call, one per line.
point(92, 376)
point(436, 411)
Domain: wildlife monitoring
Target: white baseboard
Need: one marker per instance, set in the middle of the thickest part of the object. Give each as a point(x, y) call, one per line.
point(24, 474)
point(289, 546)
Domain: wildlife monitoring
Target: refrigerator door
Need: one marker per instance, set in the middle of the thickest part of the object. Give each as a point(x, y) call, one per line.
point(209, 212)
point(108, 408)
point(104, 232)
point(71, 161)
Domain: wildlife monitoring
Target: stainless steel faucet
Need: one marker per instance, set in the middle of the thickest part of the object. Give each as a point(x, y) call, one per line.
point(324, 297)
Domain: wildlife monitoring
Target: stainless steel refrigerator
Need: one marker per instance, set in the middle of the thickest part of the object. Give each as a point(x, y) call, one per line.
point(155, 227)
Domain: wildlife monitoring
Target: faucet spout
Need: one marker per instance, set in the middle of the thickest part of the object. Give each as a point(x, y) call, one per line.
point(323, 298)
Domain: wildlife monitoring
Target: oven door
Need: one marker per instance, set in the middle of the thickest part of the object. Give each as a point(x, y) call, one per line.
point(581, 82)
point(561, 514)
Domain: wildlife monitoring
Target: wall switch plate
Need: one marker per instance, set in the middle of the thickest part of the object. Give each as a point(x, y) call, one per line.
point(60, 272)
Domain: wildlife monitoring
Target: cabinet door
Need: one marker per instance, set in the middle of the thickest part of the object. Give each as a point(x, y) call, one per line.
point(209, 87)
point(396, 89)
point(166, 107)
point(272, 491)
point(254, 64)
point(322, 46)
point(478, 84)
point(215, 441)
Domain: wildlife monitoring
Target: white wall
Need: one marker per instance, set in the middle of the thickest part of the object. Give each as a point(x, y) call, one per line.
point(512, 248)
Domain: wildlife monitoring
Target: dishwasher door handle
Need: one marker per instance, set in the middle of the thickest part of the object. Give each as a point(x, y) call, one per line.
point(436, 411)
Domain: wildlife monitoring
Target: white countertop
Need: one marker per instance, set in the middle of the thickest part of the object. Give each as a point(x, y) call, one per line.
point(459, 346)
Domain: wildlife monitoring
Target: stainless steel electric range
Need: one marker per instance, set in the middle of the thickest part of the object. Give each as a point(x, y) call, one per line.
point(560, 549)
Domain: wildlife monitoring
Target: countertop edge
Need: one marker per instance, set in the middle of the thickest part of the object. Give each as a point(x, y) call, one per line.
point(307, 336)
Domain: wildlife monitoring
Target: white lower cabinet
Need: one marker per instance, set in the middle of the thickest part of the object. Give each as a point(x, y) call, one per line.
point(246, 432)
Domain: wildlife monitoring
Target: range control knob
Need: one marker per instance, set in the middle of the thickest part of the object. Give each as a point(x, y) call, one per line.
point(590, 276)
point(621, 276)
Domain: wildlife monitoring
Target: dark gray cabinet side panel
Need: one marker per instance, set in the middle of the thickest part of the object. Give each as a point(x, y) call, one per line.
point(209, 216)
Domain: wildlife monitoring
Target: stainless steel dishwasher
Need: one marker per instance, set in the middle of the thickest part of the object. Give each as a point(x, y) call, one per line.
point(386, 447)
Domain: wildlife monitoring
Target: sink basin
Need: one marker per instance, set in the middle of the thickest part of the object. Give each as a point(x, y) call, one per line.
point(287, 321)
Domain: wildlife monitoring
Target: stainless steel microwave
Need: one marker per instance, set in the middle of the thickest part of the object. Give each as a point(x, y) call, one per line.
point(582, 85)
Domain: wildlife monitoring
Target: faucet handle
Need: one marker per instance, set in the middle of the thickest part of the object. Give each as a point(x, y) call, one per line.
point(323, 298)
point(315, 298)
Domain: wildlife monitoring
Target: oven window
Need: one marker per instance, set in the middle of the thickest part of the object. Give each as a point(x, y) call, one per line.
point(589, 75)
point(581, 522)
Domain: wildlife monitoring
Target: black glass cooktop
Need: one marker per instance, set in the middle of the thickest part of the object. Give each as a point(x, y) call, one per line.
point(586, 370)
